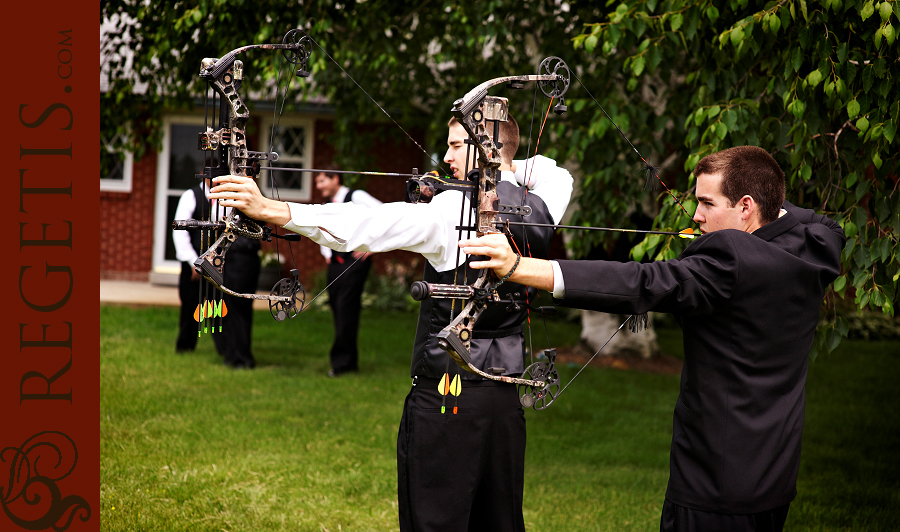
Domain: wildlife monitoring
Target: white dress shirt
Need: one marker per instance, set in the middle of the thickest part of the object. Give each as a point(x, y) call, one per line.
point(425, 228)
point(360, 197)
point(184, 250)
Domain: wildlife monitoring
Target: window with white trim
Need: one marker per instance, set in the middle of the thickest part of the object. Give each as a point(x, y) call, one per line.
point(116, 167)
point(294, 145)
point(177, 165)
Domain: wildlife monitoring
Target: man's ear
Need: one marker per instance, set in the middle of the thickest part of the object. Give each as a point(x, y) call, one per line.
point(748, 207)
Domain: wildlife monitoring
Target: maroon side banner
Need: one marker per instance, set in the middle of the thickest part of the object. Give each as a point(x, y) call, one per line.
point(50, 361)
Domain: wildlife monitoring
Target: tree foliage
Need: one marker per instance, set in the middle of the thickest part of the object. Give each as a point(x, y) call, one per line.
point(413, 58)
point(814, 83)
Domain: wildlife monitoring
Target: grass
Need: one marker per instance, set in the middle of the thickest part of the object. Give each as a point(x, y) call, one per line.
point(187, 444)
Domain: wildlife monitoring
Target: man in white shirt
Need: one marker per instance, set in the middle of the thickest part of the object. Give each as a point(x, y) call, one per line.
point(344, 296)
point(241, 274)
point(463, 467)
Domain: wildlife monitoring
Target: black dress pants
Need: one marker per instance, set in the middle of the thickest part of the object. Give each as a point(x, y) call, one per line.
point(345, 298)
point(676, 518)
point(189, 293)
point(241, 274)
point(462, 472)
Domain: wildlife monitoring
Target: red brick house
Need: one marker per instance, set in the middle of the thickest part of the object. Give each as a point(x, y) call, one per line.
point(137, 203)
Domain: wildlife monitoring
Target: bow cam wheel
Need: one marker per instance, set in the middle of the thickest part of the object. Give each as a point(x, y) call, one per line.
point(300, 50)
point(554, 66)
point(539, 398)
point(287, 308)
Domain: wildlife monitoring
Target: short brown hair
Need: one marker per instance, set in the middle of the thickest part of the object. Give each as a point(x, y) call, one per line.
point(329, 170)
point(748, 171)
point(509, 138)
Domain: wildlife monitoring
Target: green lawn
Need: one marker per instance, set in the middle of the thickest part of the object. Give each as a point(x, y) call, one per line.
point(188, 444)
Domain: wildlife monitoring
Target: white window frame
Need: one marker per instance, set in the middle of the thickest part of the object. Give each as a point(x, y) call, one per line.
point(119, 185)
point(161, 223)
point(265, 132)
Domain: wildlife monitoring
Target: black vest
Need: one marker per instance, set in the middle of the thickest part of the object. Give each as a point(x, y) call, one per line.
point(343, 256)
point(499, 339)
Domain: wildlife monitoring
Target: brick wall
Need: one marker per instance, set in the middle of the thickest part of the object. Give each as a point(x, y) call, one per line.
point(126, 225)
point(126, 219)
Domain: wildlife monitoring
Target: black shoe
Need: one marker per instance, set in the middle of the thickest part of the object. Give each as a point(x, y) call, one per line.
point(334, 373)
point(239, 364)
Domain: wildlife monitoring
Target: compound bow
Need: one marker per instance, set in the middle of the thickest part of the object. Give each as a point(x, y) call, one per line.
point(539, 384)
point(477, 112)
point(224, 76)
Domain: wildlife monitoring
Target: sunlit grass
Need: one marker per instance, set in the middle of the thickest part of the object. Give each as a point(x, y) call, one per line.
point(188, 444)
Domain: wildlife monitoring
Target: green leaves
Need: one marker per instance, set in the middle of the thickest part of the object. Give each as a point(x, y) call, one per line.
point(884, 10)
point(867, 10)
point(889, 33)
point(814, 78)
point(813, 83)
point(852, 108)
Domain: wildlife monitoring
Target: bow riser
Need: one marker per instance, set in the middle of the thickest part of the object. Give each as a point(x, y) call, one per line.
point(231, 140)
point(456, 337)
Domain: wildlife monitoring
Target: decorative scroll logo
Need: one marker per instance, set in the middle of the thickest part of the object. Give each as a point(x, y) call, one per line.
point(31, 498)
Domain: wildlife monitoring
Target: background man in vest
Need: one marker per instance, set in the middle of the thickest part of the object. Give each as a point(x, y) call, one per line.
point(345, 295)
point(241, 273)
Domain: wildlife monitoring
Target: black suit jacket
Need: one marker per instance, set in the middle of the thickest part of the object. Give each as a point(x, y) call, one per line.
point(748, 304)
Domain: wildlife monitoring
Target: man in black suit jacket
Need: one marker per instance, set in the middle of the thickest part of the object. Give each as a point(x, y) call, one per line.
point(747, 294)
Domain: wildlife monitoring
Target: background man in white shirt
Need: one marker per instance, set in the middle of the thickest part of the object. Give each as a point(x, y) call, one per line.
point(345, 295)
point(241, 273)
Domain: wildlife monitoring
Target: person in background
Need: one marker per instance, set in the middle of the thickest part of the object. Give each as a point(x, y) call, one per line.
point(344, 296)
point(241, 274)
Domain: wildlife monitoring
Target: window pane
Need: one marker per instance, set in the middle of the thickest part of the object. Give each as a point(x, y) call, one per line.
point(171, 203)
point(290, 181)
point(111, 166)
point(185, 160)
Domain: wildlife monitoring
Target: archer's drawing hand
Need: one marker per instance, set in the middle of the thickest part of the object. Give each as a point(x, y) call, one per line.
point(501, 258)
point(242, 193)
point(493, 246)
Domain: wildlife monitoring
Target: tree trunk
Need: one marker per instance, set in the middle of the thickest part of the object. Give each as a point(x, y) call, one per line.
point(597, 327)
